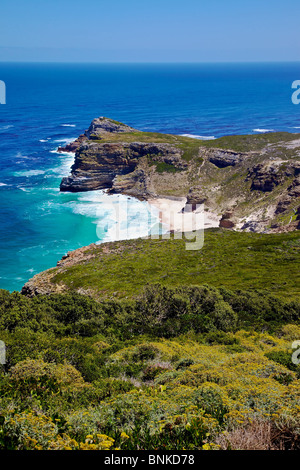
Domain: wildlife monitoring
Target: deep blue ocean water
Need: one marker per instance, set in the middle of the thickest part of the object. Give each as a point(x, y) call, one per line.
point(51, 104)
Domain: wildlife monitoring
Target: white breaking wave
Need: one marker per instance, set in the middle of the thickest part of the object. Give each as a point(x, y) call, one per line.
point(66, 141)
point(3, 184)
point(62, 153)
point(200, 137)
point(263, 130)
point(68, 125)
point(66, 160)
point(4, 128)
point(21, 157)
point(117, 217)
point(29, 173)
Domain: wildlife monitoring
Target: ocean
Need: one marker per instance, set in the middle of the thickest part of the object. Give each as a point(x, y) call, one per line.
point(48, 105)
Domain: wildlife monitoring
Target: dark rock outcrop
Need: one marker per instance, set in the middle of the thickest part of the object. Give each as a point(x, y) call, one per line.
point(264, 178)
point(102, 126)
point(224, 158)
point(289, 197)
point(73, 146)
point(226, 221)
point(254, 226)
point(196, 196)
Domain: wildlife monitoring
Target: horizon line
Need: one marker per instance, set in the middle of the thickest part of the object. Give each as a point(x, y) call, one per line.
point(151, 62)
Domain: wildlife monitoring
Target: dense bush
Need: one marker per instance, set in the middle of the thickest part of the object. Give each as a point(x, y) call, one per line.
point(172, 369)
point(160, 310)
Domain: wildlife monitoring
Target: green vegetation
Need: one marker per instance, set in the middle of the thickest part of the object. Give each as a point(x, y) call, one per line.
point(175, 368)
point(145, 344)
point(168, 349)
point(191, 146)
point(140, 136)
point(239, 143)
point(252, 142)
point(230, 259)
point(162, 167)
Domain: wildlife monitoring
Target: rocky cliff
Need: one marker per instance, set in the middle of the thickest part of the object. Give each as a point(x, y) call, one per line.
point(251, 182)
point(97, 164)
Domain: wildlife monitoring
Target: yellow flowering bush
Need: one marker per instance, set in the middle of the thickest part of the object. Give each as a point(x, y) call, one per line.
point(204, 397)
point(29, 430)
point(64, 375)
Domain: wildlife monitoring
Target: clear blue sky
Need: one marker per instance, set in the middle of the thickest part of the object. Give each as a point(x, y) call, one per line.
point(149, 31)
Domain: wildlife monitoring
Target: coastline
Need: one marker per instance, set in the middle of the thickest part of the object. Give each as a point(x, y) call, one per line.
point(173, 211)
point(175, 217)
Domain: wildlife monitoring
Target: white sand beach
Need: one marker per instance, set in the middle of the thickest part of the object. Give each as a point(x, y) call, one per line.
point(178, 217)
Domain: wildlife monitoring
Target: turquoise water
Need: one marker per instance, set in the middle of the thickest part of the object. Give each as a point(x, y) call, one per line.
point(51, 104)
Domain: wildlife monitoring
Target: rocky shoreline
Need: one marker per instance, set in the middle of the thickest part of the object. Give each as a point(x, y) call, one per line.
point(252, 190)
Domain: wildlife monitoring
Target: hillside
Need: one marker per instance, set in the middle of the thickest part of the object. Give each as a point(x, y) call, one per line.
point(230, 259)
point(190, 368)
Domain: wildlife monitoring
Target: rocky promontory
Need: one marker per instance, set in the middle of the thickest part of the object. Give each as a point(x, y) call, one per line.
point(250, 182)
point(97, 164)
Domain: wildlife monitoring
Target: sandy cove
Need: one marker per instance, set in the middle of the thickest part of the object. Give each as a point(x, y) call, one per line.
point(175, 216)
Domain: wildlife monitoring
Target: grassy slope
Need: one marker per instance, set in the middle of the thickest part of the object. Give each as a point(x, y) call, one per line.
point(251, 142)
point(191, 146)
point(243, 143)
point(230, 259)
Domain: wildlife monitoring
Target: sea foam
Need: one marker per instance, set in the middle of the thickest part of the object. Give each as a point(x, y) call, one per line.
point(65, 141)
point(66, 160)
point(263, 130)
point(117, 217)
point(29, 173)
point(200, 137)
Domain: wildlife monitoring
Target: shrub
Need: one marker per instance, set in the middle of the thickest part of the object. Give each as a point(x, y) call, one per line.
point(285, 359)
point(183, 363)
point(220, 337)
point(44, 378)
point(152, 370)
point(26, 431)
point(145, 352)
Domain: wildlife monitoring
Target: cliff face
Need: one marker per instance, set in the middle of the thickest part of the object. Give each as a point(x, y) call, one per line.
point(97, 164)
point(251, 182)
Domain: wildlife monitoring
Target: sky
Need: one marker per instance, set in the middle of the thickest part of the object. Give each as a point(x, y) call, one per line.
point(149, 31)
